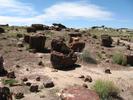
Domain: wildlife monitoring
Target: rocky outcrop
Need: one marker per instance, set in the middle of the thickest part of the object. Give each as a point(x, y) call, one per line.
point(78, 93)
point(106, 40)
point(61, 56)
point(76, 43)
point(3, 72)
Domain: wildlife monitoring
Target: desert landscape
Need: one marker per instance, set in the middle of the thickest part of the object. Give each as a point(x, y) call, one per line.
point(41, 62)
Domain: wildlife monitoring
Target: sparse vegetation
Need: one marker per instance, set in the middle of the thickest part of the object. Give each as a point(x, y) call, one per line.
point(105, 89)
point(119, 58)
point(87, 58)
point(9, 81)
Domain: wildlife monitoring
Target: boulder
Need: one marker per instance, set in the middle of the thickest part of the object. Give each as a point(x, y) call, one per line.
point(5, 93)
point(38, 26)
point(3, 72)
point(129, 58)
point(31, 29)
point(106, 40)
point(37, 42)
point(2, 30)
point(61, 56)
point(11, 75)
point(34, 88)
point(78, 93)
point(75, 42)
point(48, 84)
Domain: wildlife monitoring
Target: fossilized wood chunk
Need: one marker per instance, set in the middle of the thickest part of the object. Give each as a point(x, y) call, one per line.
point(2, 30)
point(106, 40)
point(37, 42)
point(31, 29)
point(61, 56)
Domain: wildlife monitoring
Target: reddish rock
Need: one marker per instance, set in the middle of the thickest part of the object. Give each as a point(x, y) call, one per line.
point(11, 75)
point(37, 42)
point(38, 26)
point(2, 30)
point(106, 40)
point(61, 56)
point(34, 88)
point(31, 29)
point(88, 79)
point(78, 93)
point(76, 43)
point(107, 71)
point(48, 84)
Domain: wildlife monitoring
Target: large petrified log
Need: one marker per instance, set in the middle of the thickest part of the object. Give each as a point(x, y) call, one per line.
point(37, 42)
point(3, 72)
point(106, 40)
point(5, 93)
point(31, 29)
point(78, 93)
point(2, 30)
point(62, 56)
point(38, 26)
point(75, 42)
point(129, 58)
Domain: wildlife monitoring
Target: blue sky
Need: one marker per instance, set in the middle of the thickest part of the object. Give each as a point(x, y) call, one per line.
point(72, 13)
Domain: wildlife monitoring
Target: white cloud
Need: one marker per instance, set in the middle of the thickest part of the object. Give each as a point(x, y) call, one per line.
point(60, 11)
point(72, 10)
point(15, 8)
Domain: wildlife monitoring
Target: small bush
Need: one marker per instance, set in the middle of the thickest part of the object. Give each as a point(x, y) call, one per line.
point(119, 58)
point(105, 89)
point(86, 57)
point(9, 81)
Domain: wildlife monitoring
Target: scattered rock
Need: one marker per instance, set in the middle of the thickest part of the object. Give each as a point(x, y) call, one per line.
point(38, 79)
point(17, 66)
point(19, 96)
point(85, 85)
point(11, 75)
point(81, 76)
point(25, 79)
point(48, 84)
point(41, 63)
point(34, 88)
point(107, 71)
point(28, 84)
point(88, 79)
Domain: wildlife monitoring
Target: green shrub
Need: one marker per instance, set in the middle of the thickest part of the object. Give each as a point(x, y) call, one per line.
point(86, 57)
point(9, 81)
point(119, 58)
point(105, 89)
